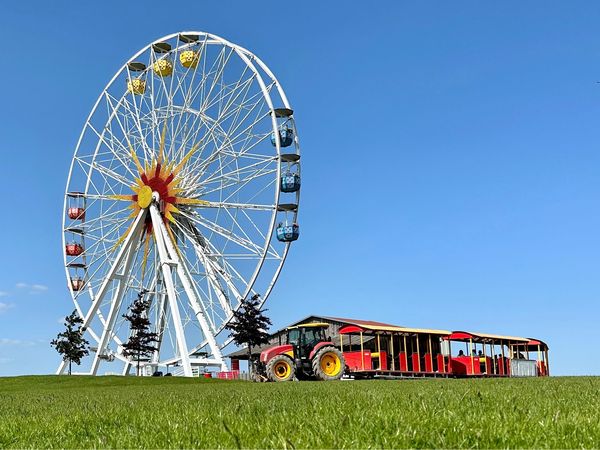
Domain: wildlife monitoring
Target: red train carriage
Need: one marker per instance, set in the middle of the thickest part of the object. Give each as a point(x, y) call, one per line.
point(495, 355)
point(376, 350)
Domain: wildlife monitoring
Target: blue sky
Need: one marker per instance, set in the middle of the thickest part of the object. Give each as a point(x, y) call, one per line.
point(450, 159)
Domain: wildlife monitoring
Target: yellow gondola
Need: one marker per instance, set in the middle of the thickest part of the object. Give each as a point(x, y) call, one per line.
point(189, 59)
point(163, 67)
point(136, 86)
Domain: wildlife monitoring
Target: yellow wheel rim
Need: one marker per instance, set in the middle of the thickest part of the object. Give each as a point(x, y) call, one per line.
point(331, 364)
point(282, 370)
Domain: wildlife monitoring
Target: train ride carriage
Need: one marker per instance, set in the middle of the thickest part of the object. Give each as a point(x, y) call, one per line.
point(373, 350)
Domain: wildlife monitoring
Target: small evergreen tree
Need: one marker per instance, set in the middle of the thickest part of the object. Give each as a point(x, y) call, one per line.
point(70, 343)
point(141, 340)
point(249, 326)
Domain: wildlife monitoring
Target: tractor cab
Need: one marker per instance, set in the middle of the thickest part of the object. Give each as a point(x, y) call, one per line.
point(305, 337)
point(307, 353)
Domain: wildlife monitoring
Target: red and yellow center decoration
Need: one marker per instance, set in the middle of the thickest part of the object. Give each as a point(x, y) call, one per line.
point(162, 177)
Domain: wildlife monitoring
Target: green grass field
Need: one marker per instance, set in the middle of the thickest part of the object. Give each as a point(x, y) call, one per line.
point(174, 412)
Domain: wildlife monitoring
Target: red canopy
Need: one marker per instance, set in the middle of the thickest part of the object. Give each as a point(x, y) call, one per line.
point(351, 329)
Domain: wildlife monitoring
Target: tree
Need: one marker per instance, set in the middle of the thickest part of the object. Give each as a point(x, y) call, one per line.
point(70, 344)
point(249, 326)
point(141, 340)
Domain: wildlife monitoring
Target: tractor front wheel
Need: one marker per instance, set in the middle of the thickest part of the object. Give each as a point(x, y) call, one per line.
point(281, 368)
point(328, 364)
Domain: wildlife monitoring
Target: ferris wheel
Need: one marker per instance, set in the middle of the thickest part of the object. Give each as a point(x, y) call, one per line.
point(184, 188)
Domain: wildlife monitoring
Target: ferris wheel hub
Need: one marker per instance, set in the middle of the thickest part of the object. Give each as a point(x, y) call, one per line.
point(145, 196)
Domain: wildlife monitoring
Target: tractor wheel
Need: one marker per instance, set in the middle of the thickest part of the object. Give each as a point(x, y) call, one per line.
point(328, 364)
point(281, 368)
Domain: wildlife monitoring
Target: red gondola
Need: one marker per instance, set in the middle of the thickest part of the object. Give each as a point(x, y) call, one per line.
point(74, 249)
point(77, 283)
point(76, 213)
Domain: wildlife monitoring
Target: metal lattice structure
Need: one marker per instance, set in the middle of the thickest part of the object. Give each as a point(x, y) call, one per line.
point(184, 185)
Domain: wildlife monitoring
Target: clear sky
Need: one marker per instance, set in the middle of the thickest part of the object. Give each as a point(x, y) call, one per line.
point(450, 159)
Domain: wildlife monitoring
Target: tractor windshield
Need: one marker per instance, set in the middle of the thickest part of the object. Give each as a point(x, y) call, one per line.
point(293, 337)
point(312, 336)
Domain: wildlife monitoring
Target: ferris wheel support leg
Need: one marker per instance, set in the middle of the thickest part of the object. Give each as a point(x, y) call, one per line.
point(115, 305)
point(166, 263)
point(184, 275)
point(137, 225)
point(63, 367)
point(193, 297)
point(160, 326)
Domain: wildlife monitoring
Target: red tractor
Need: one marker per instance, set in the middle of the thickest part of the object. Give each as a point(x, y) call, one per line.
point(306, 354)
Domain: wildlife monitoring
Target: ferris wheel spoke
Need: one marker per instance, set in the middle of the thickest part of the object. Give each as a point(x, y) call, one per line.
point(110, 233)
point(106, 175)
point(270, 250)
point(135, 115)
point(233, 273)
point(102, 238)
point(212, 271)
point(235, 173)
point(108, 215)
point(234, 132)
point(211, 226)
point(129, 149)
point(188, 269)
point(240, 184)
point(246, 145)
point(236, 129)
point(239, 88)
point(110, 145)
point(211, 268)
point(144, 125)
point(97, 246)
point(222, 183)
point(251, 156)
point(226, 269)
point(204, 299)
point(208, 204)
point(116, 218)
point(250, 107)
point(193, 94)
point(224, 115)
point(103, 179)
point(111, 174)
point(237, 225)
point(188, 96)
point(222, 62)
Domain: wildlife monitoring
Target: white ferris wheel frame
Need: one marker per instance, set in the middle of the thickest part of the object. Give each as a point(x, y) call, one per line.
point(170, 261)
